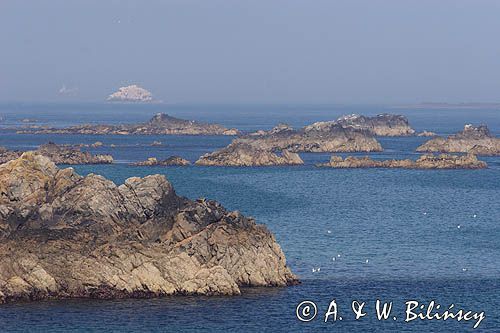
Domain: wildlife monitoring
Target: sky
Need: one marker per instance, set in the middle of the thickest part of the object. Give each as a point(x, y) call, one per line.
point(255, 51)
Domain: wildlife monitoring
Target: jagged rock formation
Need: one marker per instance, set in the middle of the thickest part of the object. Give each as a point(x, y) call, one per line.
point(243, 154)
point(59, 155)
point(171, 161)
point(380, 125)
point(63, 235)
point(475, 140)
point(160, 124)
point(279, 145)
point(443, 161)
point(335, 138)
point(132, 93)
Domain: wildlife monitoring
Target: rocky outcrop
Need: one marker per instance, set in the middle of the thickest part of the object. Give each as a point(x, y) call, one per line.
point(475, 140)
point(59, 155)
point(244, 154)
point(160, 124)
point(171, 161)
point(63, 235)
point(280, 145)
point(380, 125)
point(132, 93)
point(443, 161)
point(311, 139)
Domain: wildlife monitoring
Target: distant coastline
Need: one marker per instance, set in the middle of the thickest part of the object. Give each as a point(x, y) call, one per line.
point(443, 105)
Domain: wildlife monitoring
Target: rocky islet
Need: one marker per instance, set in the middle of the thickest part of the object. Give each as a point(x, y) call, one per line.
point(472, 139)
point(426, 161)
point(64, 236)
point(60, 154)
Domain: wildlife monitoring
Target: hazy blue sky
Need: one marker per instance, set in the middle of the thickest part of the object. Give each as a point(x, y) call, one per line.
point(236, 51)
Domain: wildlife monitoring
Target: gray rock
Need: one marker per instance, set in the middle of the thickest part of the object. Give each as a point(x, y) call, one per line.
point(171, 161)
point(63, 235)
point(380, 125)
point(59, 155)
point(428, 161)
point(159, 124)
point(244, 154)
point(475, 140)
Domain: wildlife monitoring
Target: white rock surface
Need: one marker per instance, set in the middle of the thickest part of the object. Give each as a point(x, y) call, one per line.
point(132, 93)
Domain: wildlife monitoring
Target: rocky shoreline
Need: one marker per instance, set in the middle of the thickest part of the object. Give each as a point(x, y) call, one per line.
point(66, 236)
point(159, 124)
point(475, 140)
point(428, 161)
point(59, 155)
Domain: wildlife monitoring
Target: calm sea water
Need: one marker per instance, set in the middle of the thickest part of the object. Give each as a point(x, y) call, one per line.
point(394, 235)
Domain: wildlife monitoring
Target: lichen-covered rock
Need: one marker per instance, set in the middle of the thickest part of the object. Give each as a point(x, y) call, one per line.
point(475, 140)
point(159, 124)
point(60, 155)
point(171, 161)
point(244, 154)
point(429, 161)
point(63, 235)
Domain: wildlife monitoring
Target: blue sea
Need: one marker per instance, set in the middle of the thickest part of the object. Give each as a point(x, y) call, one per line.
point(365, 235)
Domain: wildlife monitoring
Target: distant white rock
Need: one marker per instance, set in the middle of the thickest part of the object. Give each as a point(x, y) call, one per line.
point(132, 93)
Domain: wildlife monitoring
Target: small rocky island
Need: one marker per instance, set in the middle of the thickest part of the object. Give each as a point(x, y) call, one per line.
point(59, 155)
point(280, 145)
point(380, 125)
point(334, 138)
point(429, 161)
point(159, 124)
point(475, 140)
point(171, 161)
point(67, 236)
point(244, 154)
point(132, 93)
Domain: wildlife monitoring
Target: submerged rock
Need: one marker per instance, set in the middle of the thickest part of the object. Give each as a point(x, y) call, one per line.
point(159, 124)
point(63, 235)
point(171, 161)
point(443, 161)
point(243, 154)
point(475, 140)
point(59, 155)
point(380, 125)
